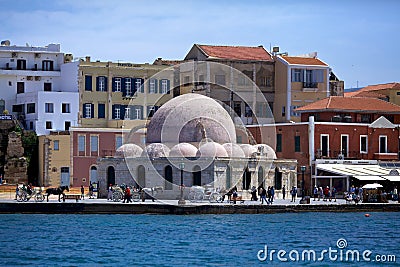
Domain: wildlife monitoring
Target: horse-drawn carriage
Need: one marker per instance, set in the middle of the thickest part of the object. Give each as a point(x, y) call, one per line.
point(136, 195)
point(25, 194)
point(200, 193)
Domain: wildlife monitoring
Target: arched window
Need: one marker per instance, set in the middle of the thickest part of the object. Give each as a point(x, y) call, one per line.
point(261, 177)
point(111, 175)
point(141, 174)
point(278, 179)
point(196, 175)
point(168, 177)
point(93, 174)
point(228, 177)
point(246, 179)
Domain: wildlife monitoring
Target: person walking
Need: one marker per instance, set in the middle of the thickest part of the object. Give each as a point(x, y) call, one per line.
point(283, 192)
point(293, 192)
point(90, 190)
point(272, 195)
point(333, 193)
point(128, 196)
point(315, 192)
point(110, 193)
point(16, 192)
point(234, 195)
point(263, 195)
point(254, 194)
point(82, 192)
point(269, 194)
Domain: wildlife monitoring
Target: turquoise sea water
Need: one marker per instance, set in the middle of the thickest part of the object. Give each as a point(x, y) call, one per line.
point(193, 240)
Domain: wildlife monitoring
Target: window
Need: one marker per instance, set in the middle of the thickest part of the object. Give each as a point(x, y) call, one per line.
point(279, 143)
point(49, 108)
point(248, 113)
point(101, 111)
point(48, 125)
point(297, 144)
point(220, 79)
point(137, 114)
point(88, 82)
point(128, 86)
point(94, 143)
point(117, 84)
point(127, 113)
point(81, 143)
point(101, 84)
point(266, 81)
point(297, 75)
point(117, 113)
point(47, 87)
point(56, 145)
point(237, 108)
point(30, 108)
point(31, 125)
point(324, 145)
point(293, 112)
point(87, 111)
point(344, 144)
point(138, 85)
point(164, 86)
point(118, 141)
point(65, 108)
point(283, 111)
point(152, 86)
point(382, 144)
point(243, 80)
point(186, 80)
point(47, 65)
point(363, 144)
point(18, 108)
point(366, 118)
point(21, 64)
point(67, 125)
point(20, 87)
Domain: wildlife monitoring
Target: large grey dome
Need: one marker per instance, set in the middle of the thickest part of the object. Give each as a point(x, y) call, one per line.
point(156, 150)
point(183, 150)
point(128, 151)
point(212, 150)
point(191, 118)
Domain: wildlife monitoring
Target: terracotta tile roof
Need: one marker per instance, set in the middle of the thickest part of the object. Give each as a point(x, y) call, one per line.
point(377, 87)
point(236, 52)
point(363, 104)
point(304, 61)
point(365, 94)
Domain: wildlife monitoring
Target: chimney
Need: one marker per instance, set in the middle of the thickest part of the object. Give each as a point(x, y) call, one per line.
point(87, 58)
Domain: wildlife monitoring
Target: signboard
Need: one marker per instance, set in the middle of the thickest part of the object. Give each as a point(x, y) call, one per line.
point(6, 117)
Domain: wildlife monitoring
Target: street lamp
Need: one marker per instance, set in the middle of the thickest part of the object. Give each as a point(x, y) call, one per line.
point(181, 200)
point(303, 169)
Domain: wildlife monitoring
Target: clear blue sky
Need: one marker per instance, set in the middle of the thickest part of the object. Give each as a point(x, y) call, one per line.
point(358, 39)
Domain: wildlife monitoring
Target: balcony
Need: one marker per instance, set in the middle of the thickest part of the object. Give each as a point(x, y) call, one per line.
point(337, 154)
point(30, 72)
point(310, 86)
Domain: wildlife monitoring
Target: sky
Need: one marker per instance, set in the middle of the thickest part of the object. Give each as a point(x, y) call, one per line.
point(359, 40)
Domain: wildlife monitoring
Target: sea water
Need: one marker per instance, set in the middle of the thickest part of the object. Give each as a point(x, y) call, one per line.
point(199, 240)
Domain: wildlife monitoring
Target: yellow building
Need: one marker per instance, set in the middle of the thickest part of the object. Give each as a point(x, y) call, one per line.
point(54, 158)
point(299, 81)
point(117, 94)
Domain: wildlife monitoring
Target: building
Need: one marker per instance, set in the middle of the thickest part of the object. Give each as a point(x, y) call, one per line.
point(38, 88)
point(194, 139)
point(337, 128)
point(240, 77)
point(299, 81)
point(388, 91)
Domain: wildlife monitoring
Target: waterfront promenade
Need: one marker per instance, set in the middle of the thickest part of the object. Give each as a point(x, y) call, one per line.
point(102, 206)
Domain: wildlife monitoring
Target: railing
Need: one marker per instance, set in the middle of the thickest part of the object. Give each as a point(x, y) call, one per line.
point(310, 85)
point(338, 154)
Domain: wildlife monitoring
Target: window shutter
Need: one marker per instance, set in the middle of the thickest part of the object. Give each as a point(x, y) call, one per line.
point(88, 83)
point(101, 112)
point(84, 111)
point(122, 110)
point(123, 88)
point(141, 85)
point(141, 112)
point(113, 85)
point(293, 75)
point(92, 111)
point(168, 86)
point(105, 84)
point(159, 86)
point(97, 84)
point(113, 112)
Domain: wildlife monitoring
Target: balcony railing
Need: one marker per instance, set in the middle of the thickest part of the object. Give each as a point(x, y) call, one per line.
point(338, 154)
point(310, 85)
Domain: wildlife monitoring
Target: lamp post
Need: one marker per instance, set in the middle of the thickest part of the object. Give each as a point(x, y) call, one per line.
point(181, 200)
point(303, 169)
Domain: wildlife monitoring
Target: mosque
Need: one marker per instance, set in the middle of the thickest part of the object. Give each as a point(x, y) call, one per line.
point(193, 137)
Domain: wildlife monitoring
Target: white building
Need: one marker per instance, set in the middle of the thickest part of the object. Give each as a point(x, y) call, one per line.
point(38, 87)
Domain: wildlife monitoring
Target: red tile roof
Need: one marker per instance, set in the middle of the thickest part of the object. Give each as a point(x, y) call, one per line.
point(376, 87)
point(365, 94)
point(236, 52)
point(304, 61)
point(362, 104)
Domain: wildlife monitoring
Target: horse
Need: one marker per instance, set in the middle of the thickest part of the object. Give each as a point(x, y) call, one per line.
point(150, 192)
point(57, 191)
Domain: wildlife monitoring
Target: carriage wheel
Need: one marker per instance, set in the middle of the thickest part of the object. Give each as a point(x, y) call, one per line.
point(191, 196)
point(136, 196)
point(20, 197)
point(199, 196)
point(39, 197)
point(215, 197)
point(117, 196)
point(24, 197)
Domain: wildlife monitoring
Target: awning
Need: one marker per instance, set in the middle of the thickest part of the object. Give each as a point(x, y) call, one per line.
point(372, 186)
point(368, 178)
point(392, 178)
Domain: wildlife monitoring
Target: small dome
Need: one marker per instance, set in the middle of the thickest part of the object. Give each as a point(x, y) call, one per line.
point(212, 149)
point(234, 150)
point(183, 150)
point(128, 151)
point(265, 150)
point(156, 150)
point(248, 150)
